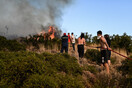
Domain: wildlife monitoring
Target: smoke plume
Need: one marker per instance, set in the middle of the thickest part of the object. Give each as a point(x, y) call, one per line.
point(24, 17)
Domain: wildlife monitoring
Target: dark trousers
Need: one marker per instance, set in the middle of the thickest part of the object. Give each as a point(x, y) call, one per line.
point(109, 55)
point(64, 48)
point(81, 50)
point(73, 45)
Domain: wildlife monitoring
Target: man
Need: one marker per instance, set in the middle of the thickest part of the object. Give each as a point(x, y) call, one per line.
point(109, 43)
point(69, 40)
point(73, 41)
point(64, 43)
point(104, 48)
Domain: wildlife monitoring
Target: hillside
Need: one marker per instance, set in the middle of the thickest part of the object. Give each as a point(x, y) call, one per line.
point(24, 68)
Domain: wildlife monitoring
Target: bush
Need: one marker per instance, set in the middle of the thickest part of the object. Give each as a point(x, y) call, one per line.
point(93, 55)
point(126, 67)
point(11, 45)
point(31, 70)
point(92, 69)
point(52, 81)
point(113, 60)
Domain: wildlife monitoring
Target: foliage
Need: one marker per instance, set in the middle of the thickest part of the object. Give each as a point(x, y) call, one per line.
point(113, 60)
point(93, 55)
point(126, 67)
point(92, 69)
point(11, 45)
point(88, 37)
point(126, 70)
point(48, 43)
point(123, 42)
point(95, 40)
point(31, 70)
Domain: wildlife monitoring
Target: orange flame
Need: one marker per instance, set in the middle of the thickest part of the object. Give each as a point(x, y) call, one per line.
point(51, 32)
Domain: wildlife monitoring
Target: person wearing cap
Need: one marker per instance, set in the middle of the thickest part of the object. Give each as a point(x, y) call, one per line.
point(104, 50)
point(64, 39)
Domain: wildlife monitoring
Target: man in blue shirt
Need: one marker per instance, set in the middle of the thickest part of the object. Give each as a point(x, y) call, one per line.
point(64, 43)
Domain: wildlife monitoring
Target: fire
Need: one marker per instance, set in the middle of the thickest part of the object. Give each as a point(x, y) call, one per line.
point(51, 32)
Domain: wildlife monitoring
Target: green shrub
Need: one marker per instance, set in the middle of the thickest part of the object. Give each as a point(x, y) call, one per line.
point(53, 81)
point(31, 70)
point(3, 42)
point(10, 45)
point(125, 82)
point(93, 55)
point(126, 67)
point(113, 60)
point(92, 69)
point(13, 45)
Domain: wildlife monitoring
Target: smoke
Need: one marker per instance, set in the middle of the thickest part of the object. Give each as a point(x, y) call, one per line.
point(24, 17)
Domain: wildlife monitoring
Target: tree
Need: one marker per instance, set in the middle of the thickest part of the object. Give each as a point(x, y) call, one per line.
point(95, 40)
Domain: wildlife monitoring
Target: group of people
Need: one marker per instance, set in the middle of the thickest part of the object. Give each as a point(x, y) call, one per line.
point(105, 43)
point(67, 41)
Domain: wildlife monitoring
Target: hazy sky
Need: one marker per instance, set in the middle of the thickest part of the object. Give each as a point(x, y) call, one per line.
point(110, 16)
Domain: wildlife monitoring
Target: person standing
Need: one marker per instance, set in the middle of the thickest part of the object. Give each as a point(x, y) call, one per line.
point(64, 39)
point(104, 48)
point(81, 43)
point(73, 41)
point(69, 40)
point(109, 52)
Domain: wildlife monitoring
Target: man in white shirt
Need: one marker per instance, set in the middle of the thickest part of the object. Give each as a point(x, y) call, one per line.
point(73, 41)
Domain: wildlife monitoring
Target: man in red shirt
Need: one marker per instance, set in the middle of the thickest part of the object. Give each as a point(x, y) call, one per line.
point(69, 40)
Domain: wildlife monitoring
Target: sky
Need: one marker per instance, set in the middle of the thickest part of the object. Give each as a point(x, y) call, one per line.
point(110, 16)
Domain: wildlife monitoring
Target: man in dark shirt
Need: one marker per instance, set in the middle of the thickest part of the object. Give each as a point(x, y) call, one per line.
point(109, 52)
point(64, 43)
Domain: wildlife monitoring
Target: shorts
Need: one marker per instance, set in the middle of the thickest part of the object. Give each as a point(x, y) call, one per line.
point(104, 56)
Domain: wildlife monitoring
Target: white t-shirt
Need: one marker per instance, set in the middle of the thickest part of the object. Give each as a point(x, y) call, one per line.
point(73, 38)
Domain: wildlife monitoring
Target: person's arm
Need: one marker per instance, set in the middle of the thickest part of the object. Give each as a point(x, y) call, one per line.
point(104, 41)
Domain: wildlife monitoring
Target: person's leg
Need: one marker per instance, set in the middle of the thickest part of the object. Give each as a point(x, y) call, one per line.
point(79, 52)
point(107, 68)
point(82, 51)
point(68, 45)
point(62, 48)
point(73, 45)
point(78, 47)
point(102, 61)
point(109, 61)
point(66, 49)
point(106, 56)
